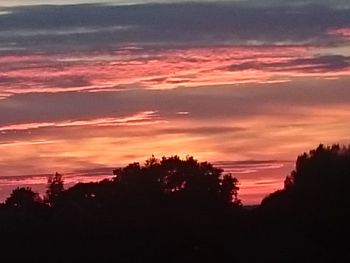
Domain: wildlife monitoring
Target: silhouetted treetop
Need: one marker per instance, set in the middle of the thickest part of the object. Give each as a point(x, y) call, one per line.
point(323, 165)
point(321, 177)
point(22, 197)
point(173, 175)
point(55, 186)
point(315, 199)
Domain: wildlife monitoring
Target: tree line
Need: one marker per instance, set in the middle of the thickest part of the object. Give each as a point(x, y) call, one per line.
point(182, 210)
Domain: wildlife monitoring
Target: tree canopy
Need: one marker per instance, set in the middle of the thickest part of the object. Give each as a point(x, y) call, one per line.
point(172, 176)
point(320, 178)
point(23, 197)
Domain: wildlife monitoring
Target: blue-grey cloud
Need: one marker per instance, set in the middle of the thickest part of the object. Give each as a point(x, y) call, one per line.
point(94, 26)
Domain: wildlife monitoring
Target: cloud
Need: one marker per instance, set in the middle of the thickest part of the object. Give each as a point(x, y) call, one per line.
point(74, 2)
point(131, 68)
point(141, 118)
point(251, 121)
point(250, 166)
point(201, 130)
point(341, 32)
point(318, 64)
point(92, 27)
point(234, 102)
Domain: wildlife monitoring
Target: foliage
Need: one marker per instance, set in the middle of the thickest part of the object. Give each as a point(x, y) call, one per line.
point(175, 210)
point(321, 178)
point(315, 199)
point(186, 179)
point(22, 198)
point(55, 186)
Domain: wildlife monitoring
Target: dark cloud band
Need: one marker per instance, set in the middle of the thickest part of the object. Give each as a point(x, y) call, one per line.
point(85, 27)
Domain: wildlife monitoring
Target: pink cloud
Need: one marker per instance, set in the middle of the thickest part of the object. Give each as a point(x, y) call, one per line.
point(342, 32)
point(93, 72)
point(141, 118)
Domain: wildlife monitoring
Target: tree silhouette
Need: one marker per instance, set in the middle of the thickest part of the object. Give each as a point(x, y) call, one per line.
point(22, 198)
point(321, 178)
point(315, 199)
point(182, 210)
point(55, 187)
point(187, 179)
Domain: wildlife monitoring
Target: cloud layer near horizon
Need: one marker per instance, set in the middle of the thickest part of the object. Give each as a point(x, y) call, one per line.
point(89, 86)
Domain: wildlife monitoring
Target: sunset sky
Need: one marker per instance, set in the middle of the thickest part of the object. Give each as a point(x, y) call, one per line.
point(88, 85)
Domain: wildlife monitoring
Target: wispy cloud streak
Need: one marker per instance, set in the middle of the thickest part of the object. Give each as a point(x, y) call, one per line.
point(139, 68)
point(142, 118)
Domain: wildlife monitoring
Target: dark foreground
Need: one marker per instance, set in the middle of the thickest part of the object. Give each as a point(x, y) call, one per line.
point(184, 211)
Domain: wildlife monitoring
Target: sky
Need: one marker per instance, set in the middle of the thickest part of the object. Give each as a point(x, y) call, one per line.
point(87, 86)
